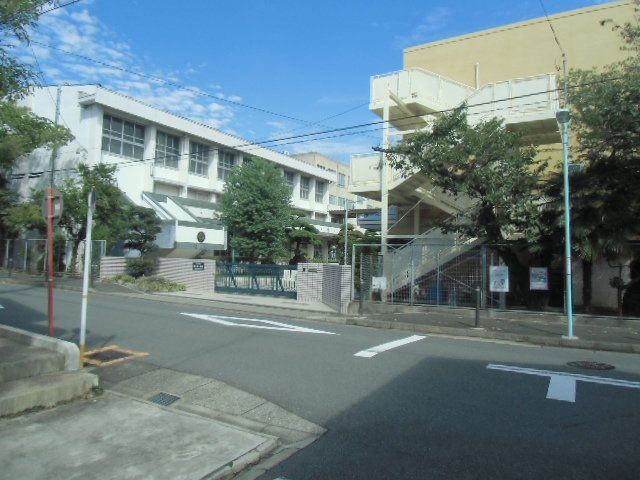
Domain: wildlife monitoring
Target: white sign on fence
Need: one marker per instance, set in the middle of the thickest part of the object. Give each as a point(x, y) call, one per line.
point(539, 278)
point(379, 283)
point(499, 278)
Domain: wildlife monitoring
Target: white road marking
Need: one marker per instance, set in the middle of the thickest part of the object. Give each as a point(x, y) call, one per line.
point(562, 386)
point(268, 324)
point(373, 351)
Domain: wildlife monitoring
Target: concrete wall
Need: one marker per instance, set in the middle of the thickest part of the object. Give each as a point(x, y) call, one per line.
point(602, 294)
point(178, 270)
point(327, 283)
point(527, 48)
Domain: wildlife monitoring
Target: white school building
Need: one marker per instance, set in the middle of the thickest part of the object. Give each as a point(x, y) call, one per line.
point(172, 164)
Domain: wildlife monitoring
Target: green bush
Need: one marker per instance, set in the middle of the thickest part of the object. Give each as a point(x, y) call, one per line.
point(120, 279)
point(141, 267)
point(159, 284)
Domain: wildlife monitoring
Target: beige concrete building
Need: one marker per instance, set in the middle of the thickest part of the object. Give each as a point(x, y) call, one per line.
point(513, 72)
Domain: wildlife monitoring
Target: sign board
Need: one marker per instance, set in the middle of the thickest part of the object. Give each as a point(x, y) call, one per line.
point(198, 266)
point(379, 283)
point(201, 237)
point(57, 206)
point(499, 279)
point(538, 278)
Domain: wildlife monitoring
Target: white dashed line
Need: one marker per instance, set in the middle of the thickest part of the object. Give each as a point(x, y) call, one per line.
point(373, 351)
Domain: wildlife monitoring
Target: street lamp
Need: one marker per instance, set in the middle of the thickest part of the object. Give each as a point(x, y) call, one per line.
point(563, 116)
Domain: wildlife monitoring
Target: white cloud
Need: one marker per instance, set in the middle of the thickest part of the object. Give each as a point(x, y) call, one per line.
point(78, 31)
point(431, 24)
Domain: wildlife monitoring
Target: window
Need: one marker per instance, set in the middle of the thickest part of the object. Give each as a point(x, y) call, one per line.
point(288, 179)
point(166, 189)
point(342, 180)
point(198, 158)
point(198, 195)
point(319, 192)
point(226, 162)
point(167, 150)
point(122, 137)
point(333, 200)
point(342, 202)
point(304, 187)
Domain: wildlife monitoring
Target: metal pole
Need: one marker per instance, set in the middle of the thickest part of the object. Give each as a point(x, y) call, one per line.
point(50, 301)
point(478, 295)
point(563, 117)
point(361, 299)
point(413, 278)
point(353, 272)
point(346, 230)
point(85, 279)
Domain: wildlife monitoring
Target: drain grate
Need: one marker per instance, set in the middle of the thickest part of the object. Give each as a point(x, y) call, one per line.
point(591, 365)
point(164, 399)
point(109, 355)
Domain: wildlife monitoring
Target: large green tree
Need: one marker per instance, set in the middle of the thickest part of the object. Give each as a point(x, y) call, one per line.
point(110, 221)
point(256, 209)
point(605, 206)
point(21, 131)
point(300, 232)
point(492, 169)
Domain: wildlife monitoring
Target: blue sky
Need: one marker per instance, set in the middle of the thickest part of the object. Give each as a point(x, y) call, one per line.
point(301, 59)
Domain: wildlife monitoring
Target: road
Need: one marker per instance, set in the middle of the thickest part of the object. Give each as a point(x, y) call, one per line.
point(395, 405)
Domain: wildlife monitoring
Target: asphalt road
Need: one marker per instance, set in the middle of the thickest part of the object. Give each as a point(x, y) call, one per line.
point(433, 408)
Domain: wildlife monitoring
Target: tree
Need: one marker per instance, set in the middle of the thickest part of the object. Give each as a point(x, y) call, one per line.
point(256, 209)
point(21, 132)
point(143, 226)
point(605, 206)
point(488, 165)
point(109, 220)
point(300, 232)
point(355, 237)
point(23, 217)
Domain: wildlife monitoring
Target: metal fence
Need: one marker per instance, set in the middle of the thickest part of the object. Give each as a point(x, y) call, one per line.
point(497, 276)
point(29, 255)
point(245, 278)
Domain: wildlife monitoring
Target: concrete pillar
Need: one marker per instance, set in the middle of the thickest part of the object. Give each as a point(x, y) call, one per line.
point(296, 188)
point(384, 192)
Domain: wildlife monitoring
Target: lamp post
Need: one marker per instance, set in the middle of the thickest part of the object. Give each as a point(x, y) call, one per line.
point(563, 116)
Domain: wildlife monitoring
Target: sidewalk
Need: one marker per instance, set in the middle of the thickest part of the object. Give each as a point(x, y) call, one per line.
point(592, 333)
point(131, 430)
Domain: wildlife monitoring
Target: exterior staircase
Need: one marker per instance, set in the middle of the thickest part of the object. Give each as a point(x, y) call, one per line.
point(36, 377)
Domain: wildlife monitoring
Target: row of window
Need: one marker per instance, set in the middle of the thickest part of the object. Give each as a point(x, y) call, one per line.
point(340, 201)
point(127, 139)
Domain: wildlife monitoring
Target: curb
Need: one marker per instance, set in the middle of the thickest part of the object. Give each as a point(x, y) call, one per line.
point(511, 337)
point(69, 350)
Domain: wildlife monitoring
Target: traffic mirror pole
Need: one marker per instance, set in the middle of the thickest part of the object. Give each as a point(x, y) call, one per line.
point(50, 302)
point(87, 268)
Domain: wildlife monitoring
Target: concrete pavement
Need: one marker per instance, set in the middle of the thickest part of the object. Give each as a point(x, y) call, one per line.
point(116, 437)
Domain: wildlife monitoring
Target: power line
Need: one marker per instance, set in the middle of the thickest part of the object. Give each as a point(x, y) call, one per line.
point(180, 86)
point(553, 30)
point(377, 125)
point(61, 5)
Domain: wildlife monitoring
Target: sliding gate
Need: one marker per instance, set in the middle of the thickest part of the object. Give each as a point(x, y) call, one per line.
point(249, 279)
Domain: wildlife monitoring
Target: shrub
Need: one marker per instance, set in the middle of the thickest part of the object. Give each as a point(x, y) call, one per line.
point(139, 267)
point(120, 279)
point(159, 284)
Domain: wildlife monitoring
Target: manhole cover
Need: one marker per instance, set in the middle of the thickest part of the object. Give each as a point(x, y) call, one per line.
point(591, 365)
point(110, 355)
point(163, 398)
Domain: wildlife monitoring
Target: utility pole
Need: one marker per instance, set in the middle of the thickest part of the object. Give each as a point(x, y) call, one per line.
point(91, 202)
point(346, 229)
point(49, 209)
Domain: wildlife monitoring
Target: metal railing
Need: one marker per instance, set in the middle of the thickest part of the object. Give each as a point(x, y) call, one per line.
point(250, 279)
point(28, 255)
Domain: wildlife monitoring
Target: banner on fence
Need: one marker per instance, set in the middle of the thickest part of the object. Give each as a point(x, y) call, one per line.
point(539, 278)
point(499, 279)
